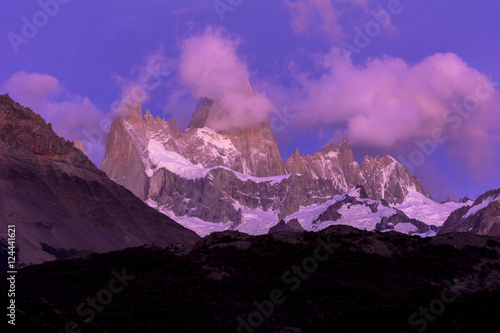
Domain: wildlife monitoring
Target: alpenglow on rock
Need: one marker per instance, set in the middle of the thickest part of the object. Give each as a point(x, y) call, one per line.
point(220, 176)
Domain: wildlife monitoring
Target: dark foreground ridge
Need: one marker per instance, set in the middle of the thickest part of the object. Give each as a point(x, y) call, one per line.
point(340, 279)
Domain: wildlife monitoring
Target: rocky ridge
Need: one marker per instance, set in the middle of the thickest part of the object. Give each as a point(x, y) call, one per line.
point(482, 217)
point(60, 203)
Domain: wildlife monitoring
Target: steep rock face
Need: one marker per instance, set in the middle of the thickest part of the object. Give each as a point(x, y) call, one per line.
point(200, 116)
point(385, 178)
point(123, 162)
point(60, 203)
point(201, 197)
point(133, 140)
point(25, 132)
point(482, 218)
point(126, 157)
point(335, 162)
point(216, 197)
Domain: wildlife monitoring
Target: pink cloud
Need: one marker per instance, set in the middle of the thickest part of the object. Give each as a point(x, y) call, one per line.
point(209, 66)
point(323, 16)
point(388, 102)
point(148, 77)
point(315, 16)
point(74, 118)
point(33, 87)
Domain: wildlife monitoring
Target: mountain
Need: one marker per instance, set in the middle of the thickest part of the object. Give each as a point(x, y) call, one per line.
point(211, 180)
point(60, 203)
point(482, 217)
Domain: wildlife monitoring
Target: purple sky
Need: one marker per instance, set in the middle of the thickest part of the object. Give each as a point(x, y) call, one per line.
point(414, 86)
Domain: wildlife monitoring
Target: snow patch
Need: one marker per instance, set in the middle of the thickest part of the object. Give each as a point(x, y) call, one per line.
point(159, 158)
point(484, 204)
point(405, 227)
point(172, 161)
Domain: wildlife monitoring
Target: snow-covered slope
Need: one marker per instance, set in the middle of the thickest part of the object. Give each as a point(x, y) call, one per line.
point(356, 215)
point(420, 207)
point(354, 207)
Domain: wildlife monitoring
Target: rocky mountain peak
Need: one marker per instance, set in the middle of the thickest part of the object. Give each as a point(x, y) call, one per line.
point(240, 169)
point(382, 177)
point(132, 113)
point(491, 194)
point(79, 145)
point(201, 114)
point(385, 161)
point(173, 127)
point(148, 115)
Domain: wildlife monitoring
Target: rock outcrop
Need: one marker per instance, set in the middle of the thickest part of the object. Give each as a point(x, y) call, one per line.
point(382, 178)
point(291, 226)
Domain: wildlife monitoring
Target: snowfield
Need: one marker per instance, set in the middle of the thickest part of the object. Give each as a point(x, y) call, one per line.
point(419, 207)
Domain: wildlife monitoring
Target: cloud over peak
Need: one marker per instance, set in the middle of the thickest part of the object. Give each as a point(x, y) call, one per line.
point(209, 66)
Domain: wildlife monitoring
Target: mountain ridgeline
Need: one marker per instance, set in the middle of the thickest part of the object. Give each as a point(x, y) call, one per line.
point(212, 175)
